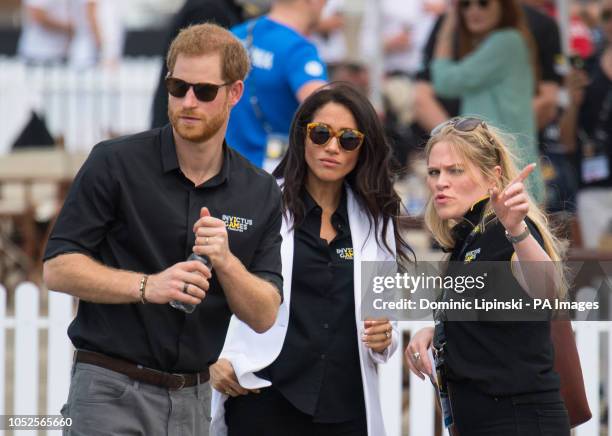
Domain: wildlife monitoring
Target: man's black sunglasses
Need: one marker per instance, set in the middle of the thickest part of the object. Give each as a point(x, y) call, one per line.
point(203, 91)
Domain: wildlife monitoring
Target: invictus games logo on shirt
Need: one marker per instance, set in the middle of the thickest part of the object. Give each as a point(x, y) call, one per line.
point(236, 223)
point(471, 255)
point(345, 253)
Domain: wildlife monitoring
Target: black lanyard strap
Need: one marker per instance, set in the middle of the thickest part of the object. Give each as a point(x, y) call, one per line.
point(253, 99)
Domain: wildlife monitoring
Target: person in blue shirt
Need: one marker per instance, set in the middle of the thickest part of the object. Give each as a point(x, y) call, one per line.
point(286, 69)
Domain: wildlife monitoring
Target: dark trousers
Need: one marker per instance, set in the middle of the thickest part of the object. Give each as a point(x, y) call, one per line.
point(536, 414)
point(270, 414)
point(102, 402)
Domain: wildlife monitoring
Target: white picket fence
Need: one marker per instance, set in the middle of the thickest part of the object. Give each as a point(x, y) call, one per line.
point(82, 106)
point(27, 325)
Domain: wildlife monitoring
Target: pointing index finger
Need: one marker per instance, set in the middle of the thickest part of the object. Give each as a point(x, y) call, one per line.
point(523, 174)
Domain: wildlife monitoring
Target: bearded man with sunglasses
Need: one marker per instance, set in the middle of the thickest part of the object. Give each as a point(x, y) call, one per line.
point(137, 209)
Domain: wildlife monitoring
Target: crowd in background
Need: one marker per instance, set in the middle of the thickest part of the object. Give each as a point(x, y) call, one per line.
point(514, 75)
point(500, 60)
point(81, 32)
point(438, 62)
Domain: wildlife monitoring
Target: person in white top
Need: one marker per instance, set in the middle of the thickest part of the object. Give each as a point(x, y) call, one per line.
point(46, 30)
point(112, 32)
point(329, 36)
point(315, 370)
point(85, 46)
point(404, 27)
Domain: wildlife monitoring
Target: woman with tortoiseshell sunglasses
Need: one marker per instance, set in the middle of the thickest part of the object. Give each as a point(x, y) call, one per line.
point(315, 371)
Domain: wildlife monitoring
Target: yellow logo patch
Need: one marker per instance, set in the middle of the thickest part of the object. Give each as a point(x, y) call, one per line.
point(345, 253)
point(236, 223)
point(471, 255)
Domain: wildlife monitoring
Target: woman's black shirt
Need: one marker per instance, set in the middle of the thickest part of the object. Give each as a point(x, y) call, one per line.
point(498, 357)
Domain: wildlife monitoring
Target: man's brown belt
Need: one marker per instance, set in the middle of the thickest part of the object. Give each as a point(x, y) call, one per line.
point(144, 375)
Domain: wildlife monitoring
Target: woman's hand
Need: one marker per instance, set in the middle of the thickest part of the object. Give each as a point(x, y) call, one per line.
point(575, 83)
point(330, 24)
point(446, 34)
point(449, 24)
point(416, 352)
point(398, 42)
point(511, 205)
point(377, 334)
point(223, 379)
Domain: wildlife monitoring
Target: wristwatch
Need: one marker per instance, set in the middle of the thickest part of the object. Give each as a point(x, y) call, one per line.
point(518, 238)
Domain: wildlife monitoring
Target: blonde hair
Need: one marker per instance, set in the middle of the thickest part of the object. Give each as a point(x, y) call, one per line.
point(484, 147)
point(208, 38)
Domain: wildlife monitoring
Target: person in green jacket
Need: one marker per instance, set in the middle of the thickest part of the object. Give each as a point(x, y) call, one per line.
point(495, 74)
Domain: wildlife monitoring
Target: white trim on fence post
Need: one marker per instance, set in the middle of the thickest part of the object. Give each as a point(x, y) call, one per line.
point(2, 348)
point(59, 351)
point(422, 407)
point(587, 339)
point(26, 350)
point(391, 391)
point(608, 388)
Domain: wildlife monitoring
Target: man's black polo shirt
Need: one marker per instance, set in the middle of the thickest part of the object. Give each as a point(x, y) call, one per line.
point(130, 207)
point(318, 368)
point(497, 357)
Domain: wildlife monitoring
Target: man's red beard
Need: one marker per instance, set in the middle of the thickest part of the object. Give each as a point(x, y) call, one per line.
point(203, 130)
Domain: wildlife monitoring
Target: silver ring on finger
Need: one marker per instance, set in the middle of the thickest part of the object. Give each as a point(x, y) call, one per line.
point(416, 356)
point(185, 287)
point(387, 334)
point(228, 391)
point(206, 240)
